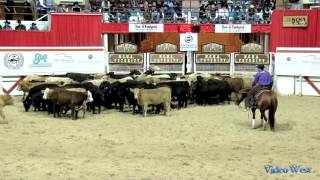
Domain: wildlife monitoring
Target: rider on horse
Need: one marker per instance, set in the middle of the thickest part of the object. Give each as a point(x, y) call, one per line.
point(262, 80)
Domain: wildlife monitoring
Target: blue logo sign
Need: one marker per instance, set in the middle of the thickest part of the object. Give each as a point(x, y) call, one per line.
point(40, 60)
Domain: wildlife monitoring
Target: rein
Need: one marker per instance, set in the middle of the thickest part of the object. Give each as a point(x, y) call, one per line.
point(244, 110)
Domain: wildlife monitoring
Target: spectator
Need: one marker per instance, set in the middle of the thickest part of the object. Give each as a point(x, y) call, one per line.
point(76, 7)
point(238, 13)
point(168, 3)
point(7, 25)
point(223, 13)
point(9, 9)
point(41, 4)
point(251, 12)
point(155, 13)
point(20, 26)
point(146, 11)
point(105, 6)
point(33, 27)
point(62, 8)
point(27, 10)
point(42, 9)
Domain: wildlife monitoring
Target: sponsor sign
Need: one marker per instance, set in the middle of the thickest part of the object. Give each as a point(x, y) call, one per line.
point(251, 59)
point(213, 58)
point(305, 64)
point(13, 61)
point(146, 27)
point(251, 48)
point(213, 48)
point(232, 28)
point(188, 42)
point(24, 61)
point(126, 58)
point(166, 58)
point(295, 21)
point(166, 48)
point(126, 48)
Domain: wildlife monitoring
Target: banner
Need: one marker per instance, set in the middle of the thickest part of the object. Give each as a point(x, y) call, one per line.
point(146, 28)
point(295, 64)
point(232, 28)
point(188, 42)
point(46, 61)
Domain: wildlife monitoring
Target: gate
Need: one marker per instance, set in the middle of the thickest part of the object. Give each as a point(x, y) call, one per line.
point(126, 59)
point(167, 59)
point(213, 60)
point(250, 55)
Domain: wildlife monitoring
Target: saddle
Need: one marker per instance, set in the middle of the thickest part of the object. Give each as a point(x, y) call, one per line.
point(260, 92)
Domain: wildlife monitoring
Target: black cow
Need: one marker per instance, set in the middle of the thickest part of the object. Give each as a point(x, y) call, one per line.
point(179, 91)
point(124, 93)
point(97, 94)
point(27, 102)
point(105, 87)
point(79, 77)
point(38, 102)
point(120, 76)
point(211, 91)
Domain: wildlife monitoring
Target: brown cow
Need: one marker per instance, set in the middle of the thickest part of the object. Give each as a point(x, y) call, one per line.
point(69, 99)
point(236, 84)
point(4, 101)
point(156, 96)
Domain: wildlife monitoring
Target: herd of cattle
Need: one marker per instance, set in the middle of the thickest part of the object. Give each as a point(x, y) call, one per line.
point(142, 92)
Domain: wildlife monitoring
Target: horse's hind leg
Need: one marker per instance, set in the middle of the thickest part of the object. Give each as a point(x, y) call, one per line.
point(253, 122)
point(263, 120)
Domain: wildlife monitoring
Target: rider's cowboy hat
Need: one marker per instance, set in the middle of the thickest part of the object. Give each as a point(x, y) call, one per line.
point(260, 66)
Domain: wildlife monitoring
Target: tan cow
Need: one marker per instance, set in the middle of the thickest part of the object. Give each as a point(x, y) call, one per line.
point(146, 97)
point(4, 101)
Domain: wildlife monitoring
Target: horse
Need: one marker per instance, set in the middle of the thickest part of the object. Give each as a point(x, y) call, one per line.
point(266, 100)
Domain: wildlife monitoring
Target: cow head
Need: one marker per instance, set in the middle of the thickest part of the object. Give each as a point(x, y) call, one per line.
point(27, 103)
point(24, 86)
point(46, 93)
point(241, 95)
point(89, 97)
point(135, 92)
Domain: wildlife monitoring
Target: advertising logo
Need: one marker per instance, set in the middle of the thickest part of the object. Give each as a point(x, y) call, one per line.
point(63, 58)
point(188, 38)
point(13, 60)
point(40, 60)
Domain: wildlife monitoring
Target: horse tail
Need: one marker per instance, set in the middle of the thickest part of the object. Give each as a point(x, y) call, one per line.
point(272, 111)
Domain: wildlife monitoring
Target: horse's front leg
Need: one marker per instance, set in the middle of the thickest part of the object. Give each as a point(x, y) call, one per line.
point(253, 123)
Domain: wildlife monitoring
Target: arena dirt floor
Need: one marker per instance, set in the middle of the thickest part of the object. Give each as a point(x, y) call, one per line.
point(211, 142)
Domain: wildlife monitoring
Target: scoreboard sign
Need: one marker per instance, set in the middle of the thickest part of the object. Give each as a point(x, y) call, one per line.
point(295, 21)
point(126, 58)
point(213, 58)
point(251, 59)
point(166, 58)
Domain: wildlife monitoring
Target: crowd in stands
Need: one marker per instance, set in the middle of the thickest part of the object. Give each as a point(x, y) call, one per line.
point(209, 11)
point(159, 11)
point(19, 26)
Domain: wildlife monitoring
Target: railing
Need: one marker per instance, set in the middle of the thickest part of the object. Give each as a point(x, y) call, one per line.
point(194, 17)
